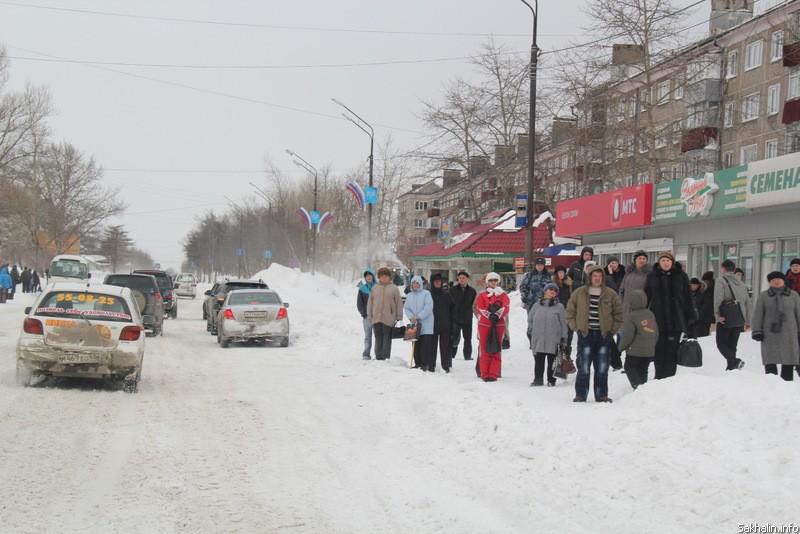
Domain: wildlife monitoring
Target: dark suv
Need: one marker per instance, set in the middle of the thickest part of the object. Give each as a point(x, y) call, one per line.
point(147, 295)
point(216, 296)
point(167, 288)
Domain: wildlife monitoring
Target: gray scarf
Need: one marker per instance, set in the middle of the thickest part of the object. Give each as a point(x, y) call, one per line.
point(776, 325)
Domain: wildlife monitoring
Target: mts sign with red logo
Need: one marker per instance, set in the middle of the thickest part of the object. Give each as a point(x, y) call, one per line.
point(624, 208)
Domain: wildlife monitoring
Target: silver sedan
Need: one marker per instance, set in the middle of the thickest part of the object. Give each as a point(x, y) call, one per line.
point(253, 314)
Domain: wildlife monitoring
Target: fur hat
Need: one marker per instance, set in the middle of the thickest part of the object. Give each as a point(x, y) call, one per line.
point(465, 273)
point(695, 281)
point(435, 277)
point(560, 268)
point(639, 253)
point(795, 261)
point(708, 275)
point(588, 265)
point(384, 271)
point(539, 261)
point(551, 286)
point(775, 274)
point(492, 276)
point(666, 254)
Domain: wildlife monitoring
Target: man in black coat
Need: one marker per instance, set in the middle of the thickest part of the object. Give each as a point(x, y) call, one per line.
point(464, 296)
point(576, 269)
point(443, 315)
point(670, 299)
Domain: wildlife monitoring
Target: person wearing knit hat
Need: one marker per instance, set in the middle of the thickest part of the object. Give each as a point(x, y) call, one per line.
point(565, 287)
point(635, 277)
point(548, 325)
point(491, 307)
point(385, 308)
point(793, 275)
point(730, 287)
point(669, 297)
point(640, 253)
point(776, 325)
point(576, 270)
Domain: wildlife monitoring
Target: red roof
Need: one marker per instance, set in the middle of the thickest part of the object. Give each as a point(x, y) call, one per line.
point(438, 249)
point(485, 240)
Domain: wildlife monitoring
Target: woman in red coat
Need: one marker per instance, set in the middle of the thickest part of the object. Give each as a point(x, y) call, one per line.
point(492, 306)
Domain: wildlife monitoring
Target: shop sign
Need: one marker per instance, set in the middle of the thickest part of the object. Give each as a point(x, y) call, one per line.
point(712, 195)
point(773, 181)
point(623, 208)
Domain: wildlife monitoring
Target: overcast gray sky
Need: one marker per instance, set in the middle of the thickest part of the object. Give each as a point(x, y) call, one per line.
point(175, 136)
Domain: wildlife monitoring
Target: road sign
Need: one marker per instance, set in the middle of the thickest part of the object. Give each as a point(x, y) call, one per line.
point(240, 252)
point(268, 254)
point(158, 266)
point(522, 211)
point(294, 263)
point(371, 195)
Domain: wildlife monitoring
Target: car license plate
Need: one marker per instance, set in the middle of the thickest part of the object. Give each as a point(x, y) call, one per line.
point(78, 357)
point(255, 314)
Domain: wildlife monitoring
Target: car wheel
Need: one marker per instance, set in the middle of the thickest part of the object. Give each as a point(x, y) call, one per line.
point(132, 385)
point(224, 342)
point(24, 376)
point(285, 342)
point(205, 314)
point(175, 313)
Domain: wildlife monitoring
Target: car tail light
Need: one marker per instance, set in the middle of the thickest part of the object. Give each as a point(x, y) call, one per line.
point(33, 326)
point(158, 296)
point(130, 333)
point(282, 313)
point(228, 314)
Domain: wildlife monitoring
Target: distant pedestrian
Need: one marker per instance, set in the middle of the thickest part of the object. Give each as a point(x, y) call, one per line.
point(386, 308)
point(730, 287)
point(548, 332)
point(36, 283)
point(492, 308)
point(464, 296)
point(25, 280)
point(362, 299)
point(704, 302)
point(443, 314)
point(670, 299)
point(576, 270)
point(793, 275)
point(14, 273)
point(5, 284)
point(564, 284)
point(419, 309)
point(776, 324)
point(639, 339)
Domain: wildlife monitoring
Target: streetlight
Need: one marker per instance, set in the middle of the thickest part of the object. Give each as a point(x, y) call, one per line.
point(531, 125)
point(310, 168)
point(371, 134)
point(241, 223)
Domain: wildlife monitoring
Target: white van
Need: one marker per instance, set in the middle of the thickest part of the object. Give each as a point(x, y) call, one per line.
point(68, 268)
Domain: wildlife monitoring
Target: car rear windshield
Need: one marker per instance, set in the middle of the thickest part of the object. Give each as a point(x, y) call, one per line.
point(244, 285)
point(186, 278)
point(86, 304)
point(141, 284)
point(163, 280)
point(240, 298)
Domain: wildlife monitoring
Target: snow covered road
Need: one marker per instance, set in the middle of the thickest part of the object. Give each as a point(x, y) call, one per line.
point(310, 438)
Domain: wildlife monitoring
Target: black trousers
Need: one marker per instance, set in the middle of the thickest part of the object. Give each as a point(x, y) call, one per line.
point(727, 340)
point(462, 330)
point(666, 357)
point(539, 366)
point(443, 341)
point(636, 369)
point(787, 371)
point(425, 352)
point(383, 341)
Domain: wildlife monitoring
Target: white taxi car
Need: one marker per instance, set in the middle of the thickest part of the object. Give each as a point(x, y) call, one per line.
point(80, 330)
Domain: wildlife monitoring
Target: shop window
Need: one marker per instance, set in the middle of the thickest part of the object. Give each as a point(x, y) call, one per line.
point(789, 251)
point(768, 257)
point(712, 260)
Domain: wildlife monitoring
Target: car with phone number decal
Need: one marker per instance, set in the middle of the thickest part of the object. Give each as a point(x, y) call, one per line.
point(80, 330)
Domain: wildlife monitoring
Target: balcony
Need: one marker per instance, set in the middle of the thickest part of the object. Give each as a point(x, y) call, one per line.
point(487, 195)
point(697, 138)
point(791, 111)
point(791, 54)
point(433, 212)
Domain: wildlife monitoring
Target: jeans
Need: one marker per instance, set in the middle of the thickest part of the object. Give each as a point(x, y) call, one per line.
point(593, 350)
point(727, 340)
point(367, 337)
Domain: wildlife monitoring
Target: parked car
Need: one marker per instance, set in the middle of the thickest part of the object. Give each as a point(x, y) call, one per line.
point(216, 296)
point(167, 288)
point(253, 314)
point(146, 294)
point(75, 330)
point(186, 285)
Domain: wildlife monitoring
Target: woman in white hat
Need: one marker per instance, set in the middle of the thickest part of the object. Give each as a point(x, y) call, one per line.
point(492, 307)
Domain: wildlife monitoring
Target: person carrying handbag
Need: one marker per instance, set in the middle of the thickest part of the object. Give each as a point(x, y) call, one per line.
point(548, 323)
point(776, 325)
point(492, 307)
point(729, 288)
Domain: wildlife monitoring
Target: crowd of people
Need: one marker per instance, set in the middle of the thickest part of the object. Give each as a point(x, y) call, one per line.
point(11, 277)
point(644, 310)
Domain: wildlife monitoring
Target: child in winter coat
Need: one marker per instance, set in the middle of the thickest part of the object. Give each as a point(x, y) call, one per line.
point(639, 339)
point(548, 322)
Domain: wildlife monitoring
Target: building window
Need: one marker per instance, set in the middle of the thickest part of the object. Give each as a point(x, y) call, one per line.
point(777, 46)
point(730, 113)
point(727, 159)
point(773, 99)
point(661, 137)
point(749, 153)
point(629, 181)
point(676, 133)
point(621, 111)
point(752, 55)
point(733, 64)
point(679, 88)
point(419, 223)
point(643, 143)
point(662, 92)
point(771, 149)
point(644, 178)
point(676, 171)
point(794, 84)
point(750, 107)
point(420, 206)
point(565, 162)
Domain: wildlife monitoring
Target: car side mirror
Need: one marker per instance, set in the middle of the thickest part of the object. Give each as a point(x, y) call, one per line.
point(208, 293)
point(285, 304)
point(176, 286)
point(28, 310)
point(89, 275)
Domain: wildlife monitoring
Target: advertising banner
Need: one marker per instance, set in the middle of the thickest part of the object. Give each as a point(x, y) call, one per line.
point(712, 195)
point(773, 181)
point(623, 208)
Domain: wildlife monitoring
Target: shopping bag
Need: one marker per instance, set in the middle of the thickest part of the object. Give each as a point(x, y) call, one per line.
point(412, 332)
point(398, 331)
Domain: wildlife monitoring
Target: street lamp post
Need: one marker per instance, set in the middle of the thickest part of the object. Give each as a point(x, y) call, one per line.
point(371, 134)
point(531, 143)
point(300, 162)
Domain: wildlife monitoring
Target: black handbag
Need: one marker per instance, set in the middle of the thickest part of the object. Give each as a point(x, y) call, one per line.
point(506, 341)
point(731, 311)
point(690, 353)
point(398, 331)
